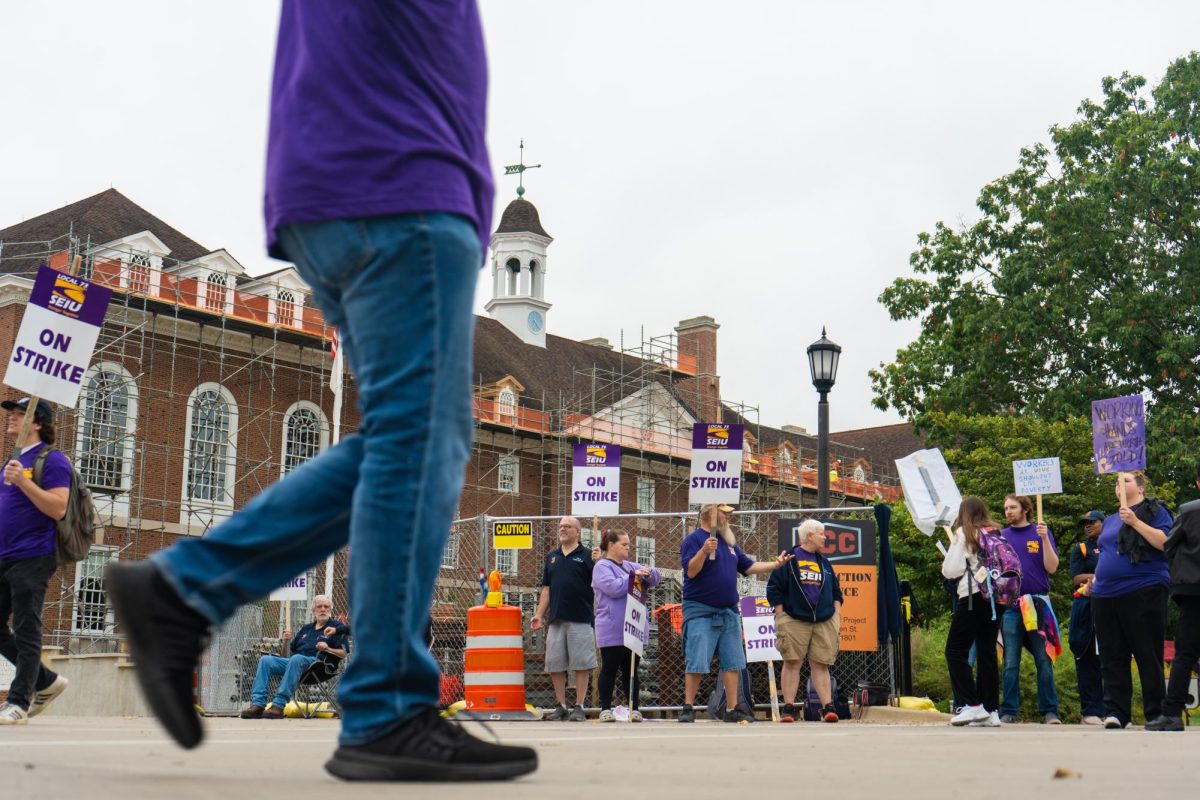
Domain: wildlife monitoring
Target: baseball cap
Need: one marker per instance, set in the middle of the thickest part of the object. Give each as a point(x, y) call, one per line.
point(725, 507)
point(1092, 516)
point(43, 413)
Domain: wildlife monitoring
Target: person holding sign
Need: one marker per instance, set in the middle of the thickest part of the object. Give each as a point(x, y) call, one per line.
point(711, 622)
point(28, 547)
point(324, 635)
point(610, 580)
point(1036, 548)
point(807, 597)
point(1129, 600)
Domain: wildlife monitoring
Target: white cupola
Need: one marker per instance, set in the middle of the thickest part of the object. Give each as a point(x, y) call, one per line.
point(519, 273)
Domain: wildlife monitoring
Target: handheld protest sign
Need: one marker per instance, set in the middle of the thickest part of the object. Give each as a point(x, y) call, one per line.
point(758, 636)
point(930, 493)
point(1036, 477)
point(595, 480)
point(1119, 437)
point(716, 469)
point(634, 627)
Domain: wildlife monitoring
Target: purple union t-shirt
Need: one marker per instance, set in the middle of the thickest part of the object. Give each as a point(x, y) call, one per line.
point(25, 532)
point(716, 583)
point(1027, 543)
point(377, 108)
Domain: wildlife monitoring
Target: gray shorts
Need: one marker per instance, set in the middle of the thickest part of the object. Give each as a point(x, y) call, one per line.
point(570, 646)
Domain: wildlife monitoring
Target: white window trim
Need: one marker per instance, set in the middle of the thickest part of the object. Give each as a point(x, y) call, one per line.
point(515, 462)
point(109, 620)
point(287, 416)
point(515, 555)
point(127, 449)
point(506, 403)
point(645, 483)
point(652, 547)
point(450, 551)
point(206, 511)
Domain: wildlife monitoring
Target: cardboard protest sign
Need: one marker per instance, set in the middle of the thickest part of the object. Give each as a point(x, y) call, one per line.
point(295, 589)
point(596, 480)
point(1119, 434)
point(929, 490)
point(636, 618)
point(57, 336)
point(758, 629)
point(716, 464)
point(1037, 476)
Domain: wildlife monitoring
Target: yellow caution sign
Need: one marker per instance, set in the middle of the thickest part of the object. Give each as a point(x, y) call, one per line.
point(512, 535)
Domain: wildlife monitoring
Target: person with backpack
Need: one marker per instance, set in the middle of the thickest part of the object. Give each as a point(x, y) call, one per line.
point(1030, 624)
point(1129, 601)
point(988, 579)
point(29, 516)
point(807, 598)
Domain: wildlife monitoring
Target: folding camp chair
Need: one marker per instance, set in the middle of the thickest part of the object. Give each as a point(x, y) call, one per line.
point(320, 679)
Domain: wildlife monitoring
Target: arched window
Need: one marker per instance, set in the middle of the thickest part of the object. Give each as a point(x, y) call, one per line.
point(860, 474)
point(508, 402)
point(107, 425)
point(285, 308)
point(514, 275)
point(211, 448)
point(139, 273)
point(214, 292)
point(305, 434)
point(535, 279)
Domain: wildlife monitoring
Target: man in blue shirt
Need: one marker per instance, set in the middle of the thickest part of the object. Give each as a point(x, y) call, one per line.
point(28, 546)
point(711, 623)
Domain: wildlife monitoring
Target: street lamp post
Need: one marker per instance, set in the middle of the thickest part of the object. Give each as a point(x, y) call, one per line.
point(823, 356)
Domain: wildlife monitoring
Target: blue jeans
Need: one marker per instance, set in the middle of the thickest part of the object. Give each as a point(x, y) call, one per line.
point(400, 290)
point(708, 630)
point(1016, 638)
point(271, 666)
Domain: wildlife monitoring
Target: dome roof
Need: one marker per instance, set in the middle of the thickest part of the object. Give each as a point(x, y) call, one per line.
point(521, 216)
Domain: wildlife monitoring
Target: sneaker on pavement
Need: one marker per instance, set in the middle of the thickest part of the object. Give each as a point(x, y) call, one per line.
point(1051, 719)
point(737, 716)
point(687, 714)
point(991, 721)
point(1008, 719)
point(1165, 723)
point(559, 714)
point(429, 748)
point(635, 716)
point(46, 696)
point(608, 716)
point(13, 715)
point(829, 713)
point(787, 713)
point(252, 711)
point(576, 714)
point(272, 712)
point(166, 638)
point(1112, 723)
point(1091, 720)
point(969, 714)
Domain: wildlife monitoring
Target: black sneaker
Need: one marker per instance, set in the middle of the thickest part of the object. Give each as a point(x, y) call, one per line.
point(687, 715)
point(559, 714)
point(429, 748)
point(1165, 723)
point(577, 714)
point(829, 713)
point(787, 713)
point(166, 639)
point(736, 715)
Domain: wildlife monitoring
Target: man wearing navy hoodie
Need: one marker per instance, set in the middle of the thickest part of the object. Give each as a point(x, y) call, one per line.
point(807, 598)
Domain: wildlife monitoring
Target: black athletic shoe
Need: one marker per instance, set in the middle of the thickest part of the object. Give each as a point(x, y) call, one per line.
point(1165, 723)
point(687, 715)
point(429, 748)
point(736, 715)
point(787, 713)
point(166, 639)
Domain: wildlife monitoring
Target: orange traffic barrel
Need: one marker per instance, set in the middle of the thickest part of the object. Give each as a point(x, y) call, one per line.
point(494, 674)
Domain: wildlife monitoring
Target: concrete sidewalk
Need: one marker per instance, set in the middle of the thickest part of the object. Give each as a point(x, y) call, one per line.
point(130, 758)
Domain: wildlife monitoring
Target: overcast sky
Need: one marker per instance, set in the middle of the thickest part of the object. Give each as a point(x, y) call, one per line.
point(768, 164)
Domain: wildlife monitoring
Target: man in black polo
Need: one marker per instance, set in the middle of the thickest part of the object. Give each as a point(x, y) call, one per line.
point(565, 607)
point(1081, 634)
point(28, 548)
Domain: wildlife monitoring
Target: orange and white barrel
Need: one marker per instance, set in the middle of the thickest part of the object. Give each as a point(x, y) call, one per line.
point(494, 674)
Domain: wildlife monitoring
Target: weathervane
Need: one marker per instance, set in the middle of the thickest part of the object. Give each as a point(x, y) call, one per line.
point(519, 170)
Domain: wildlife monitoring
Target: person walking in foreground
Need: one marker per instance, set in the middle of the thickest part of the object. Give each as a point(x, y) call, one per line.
point(976, 620)
point(1183, 555)
point(379, 189)
point(610, 579)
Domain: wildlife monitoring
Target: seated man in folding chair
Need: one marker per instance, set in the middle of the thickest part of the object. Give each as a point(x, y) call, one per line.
point(323, 636)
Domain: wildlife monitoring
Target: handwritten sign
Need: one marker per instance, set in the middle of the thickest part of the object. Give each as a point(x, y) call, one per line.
point(634, 628)
point(716, 464)
point(596, 480)
point(57, 336)
point(1037, 476)
point(1119, 434)
point(758, 629)
point(295, 589)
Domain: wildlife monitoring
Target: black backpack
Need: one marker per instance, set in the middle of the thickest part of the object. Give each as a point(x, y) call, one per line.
point(77, 528)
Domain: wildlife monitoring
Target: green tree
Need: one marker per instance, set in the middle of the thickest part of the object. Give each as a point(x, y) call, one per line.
point(1080, 280)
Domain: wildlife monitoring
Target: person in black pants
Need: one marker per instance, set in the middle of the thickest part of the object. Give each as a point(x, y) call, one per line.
point(1082, 631)
point(975, 621)
point(1129, 601)
point(1183, 553)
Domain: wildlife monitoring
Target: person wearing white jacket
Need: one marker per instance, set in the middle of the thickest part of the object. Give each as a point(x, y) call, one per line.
point(974, 622)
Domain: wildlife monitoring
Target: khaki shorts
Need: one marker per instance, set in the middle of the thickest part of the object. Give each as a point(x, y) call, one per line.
point(816, 641)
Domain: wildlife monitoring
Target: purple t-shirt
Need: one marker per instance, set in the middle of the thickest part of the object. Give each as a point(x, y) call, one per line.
point(377, 108)
point(1116, 574)
point(716, 582)
point(25, 532)
point(808, 572)
point(1027, 543)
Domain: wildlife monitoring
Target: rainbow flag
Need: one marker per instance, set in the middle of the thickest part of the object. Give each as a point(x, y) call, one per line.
point(1048, 629)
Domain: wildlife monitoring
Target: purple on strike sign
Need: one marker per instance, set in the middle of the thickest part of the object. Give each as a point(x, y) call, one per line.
point(596, 480)
point(716, 474)
point(57, 336)
point(636, 623)
point(711, 436)
point(1119, 434)
point(596, 455)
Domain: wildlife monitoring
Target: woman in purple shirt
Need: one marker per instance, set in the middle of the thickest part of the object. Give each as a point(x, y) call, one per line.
point(610, 580)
